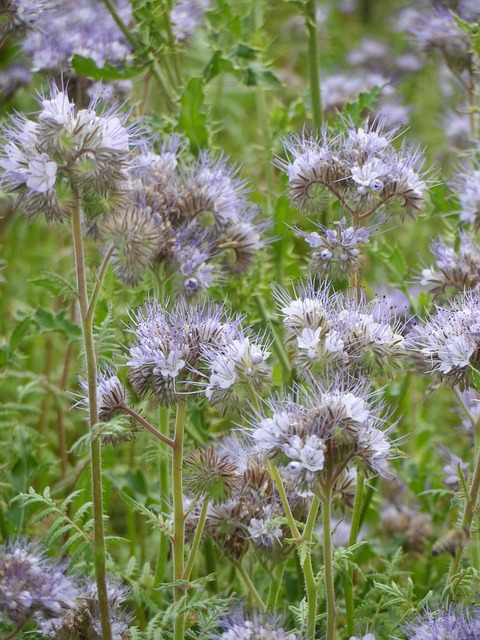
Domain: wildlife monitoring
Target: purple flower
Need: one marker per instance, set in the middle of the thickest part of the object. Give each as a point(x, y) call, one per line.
point(32, 583)
point(186, 16)
point(360, 167)
point(448, 343)
point(449, 623)
point(238, 625)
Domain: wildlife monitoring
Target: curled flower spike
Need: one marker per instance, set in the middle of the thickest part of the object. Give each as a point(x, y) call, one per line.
point(455, 270)
point(31, 583)
point(448, 343)
point(64, 152)
point(337, 252)
point(326, 328)
point(298, 428)
point(110, 394)
point(210, 475)
point(360, 167)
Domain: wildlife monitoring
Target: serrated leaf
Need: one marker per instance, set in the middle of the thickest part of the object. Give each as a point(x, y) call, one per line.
point(216, 65)
point(55, 284)
point(364, 103)
point(22, 329)
point(193, 119)
point(88, 68)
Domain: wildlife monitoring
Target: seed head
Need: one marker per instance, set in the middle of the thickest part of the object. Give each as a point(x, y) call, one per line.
point(210, 475)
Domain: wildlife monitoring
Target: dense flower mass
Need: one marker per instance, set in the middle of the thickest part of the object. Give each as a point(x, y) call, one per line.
point(360, 167)
point(176, 351)
point(31, 583)
point(241, 626)
point(201, 213)
point(65, 152)
point(455, 269)
point(335, 329)
point(448, 343)
point(297, 429)
point(82, 618)
point(451, 624)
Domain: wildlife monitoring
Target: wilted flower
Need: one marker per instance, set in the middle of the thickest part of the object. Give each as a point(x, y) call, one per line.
point(239, 625)
point(32, 583)
point(360, 167)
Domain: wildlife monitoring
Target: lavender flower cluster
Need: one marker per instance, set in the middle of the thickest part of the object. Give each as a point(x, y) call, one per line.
point(65, 154)
point(327, 329)
point(189, 346)
point(33, 586)
point(360, 167)
point(203, 212)
point(299, 427)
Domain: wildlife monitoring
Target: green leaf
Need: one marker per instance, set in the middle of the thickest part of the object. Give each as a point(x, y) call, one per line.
point(216, 65)
point(476, 378)
point(23, 328)
point(55, 284)
point(88, 68)
point(364, 103)
point(47, 322)
point(193, 119)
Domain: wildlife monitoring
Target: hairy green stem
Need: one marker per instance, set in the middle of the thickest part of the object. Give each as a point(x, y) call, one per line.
point(310, 585)
point(141, 420)
point(348, 580)
point(328, 561)
point(99, 283)
point(95, 444)
point(277, 342)
point(178, 516)
point(313, 66)
point(164, 542)
point(250, 586)
point(274, 474)
point(275, 585)
point(196, 541)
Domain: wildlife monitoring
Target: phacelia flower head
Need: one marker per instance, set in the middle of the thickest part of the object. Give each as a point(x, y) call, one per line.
point(297, 429)
point(239, 625)
point(360, 167)
point(165, 357)
point(82, 619)
point(449, 623)
point(448, 343)
point(437, 30)
point(331, 329)
point(238, 368)
point(186, 16)
point(63, 151)
point(466, 187)
point(32, 583)
point(336, 251)
point(455, 269)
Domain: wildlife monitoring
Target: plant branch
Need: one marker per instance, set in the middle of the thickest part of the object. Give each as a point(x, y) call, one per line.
point(141, 420)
